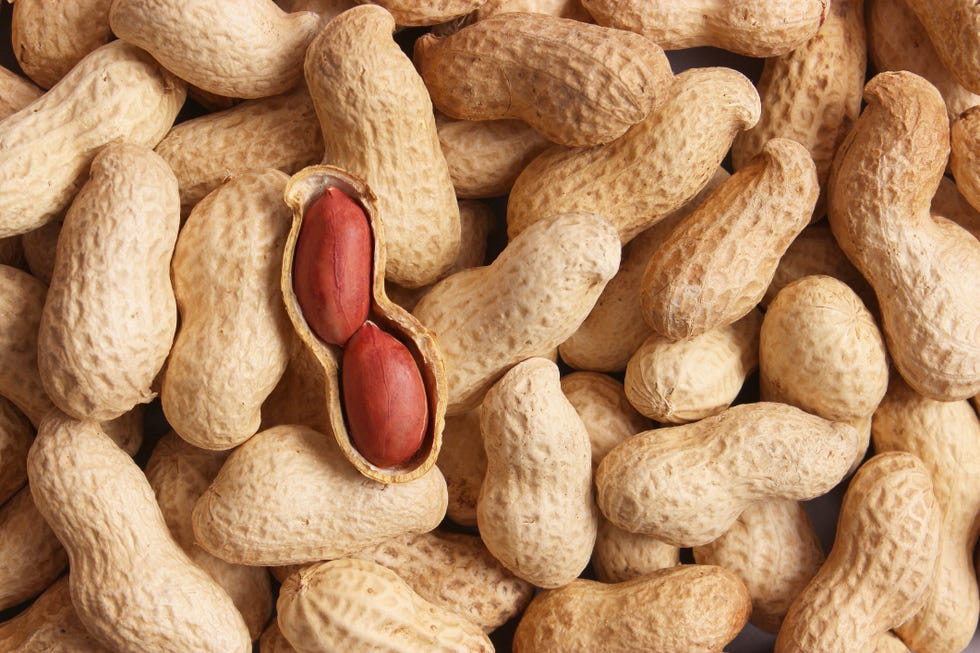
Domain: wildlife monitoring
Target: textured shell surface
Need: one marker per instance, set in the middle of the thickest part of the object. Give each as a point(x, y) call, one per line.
point(15, 92)
point(49, 625)
point(619, 555)
point(31, 557)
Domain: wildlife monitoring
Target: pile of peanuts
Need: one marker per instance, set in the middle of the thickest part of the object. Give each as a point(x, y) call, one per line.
point(407, 415)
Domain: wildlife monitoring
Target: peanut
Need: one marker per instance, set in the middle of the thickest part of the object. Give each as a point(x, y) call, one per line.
point(49, 625)
point(950, 203)
point(619, 555)
point(463, 461)
point(111, 304)
point(298, 397)
point(671, 155)
point(47, 147)
point(953, 27)
point(685, 608)
point(560, 8)
point(245, 50)
point(946, 437)
point(16, 435)
point(284, 497)
point(921, 268)
point(273, 641)
point(882, 562)
point(357, 605)
point(15, 92)
point(535, 511)
point(965, 154)
point(229, 301)
point(40, 247)
point(601, 402)
point(759, 29)
point(414, 13)
point(31, 557)
point(705, 474)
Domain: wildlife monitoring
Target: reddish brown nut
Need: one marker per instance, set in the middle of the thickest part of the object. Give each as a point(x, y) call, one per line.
point(384, 397)
point(332, 267)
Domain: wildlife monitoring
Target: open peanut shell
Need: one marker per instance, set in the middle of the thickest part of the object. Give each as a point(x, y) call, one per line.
point(304, 188)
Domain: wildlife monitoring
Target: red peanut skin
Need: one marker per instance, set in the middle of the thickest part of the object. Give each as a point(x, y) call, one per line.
point(332, 267)
point(384, 397)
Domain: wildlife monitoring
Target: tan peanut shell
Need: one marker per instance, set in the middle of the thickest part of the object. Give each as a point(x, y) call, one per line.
point(40, 247)
point(922, 268)
point(577, 84)
point(379, 126)
point(298, 397)
point(110, 316)
point(179, 473)
point(890, 643)
point(304, 188)
point(46, 148)
point(704, 474)
point(898, 41)
point(950, 203)
point(15, 92)
point(774, 550)
point(619, 555)
point(49, 38)
point(716, 265)
point(882, 561)
point(16, 435)
point(965, 154)
point(31, 557)
point(813, 94)
point(279, 132)
point(238, 49)
point(815, 251)
point(953, 27)
point(535, 512)
point(671, 155)
point(289, 496)
point(615, 329)
point(486, 156)
point(49, 625)
point(560, 8)
point(226, 270)
point(124, 562)
point(413, 13)
point(685, 608)
point(514, 309)
point(946, 437)
point(273, 641)
point(463, 461)
point(679, 381)
point(600, 400)
point(359, 605)
point(765, 28)
point(21, 304)
point(821, 350)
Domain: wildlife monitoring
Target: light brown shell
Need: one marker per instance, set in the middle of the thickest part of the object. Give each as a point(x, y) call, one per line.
point(179, 473)
point(15, 92)
point(670, 156)
point(16, 436)
point(298, 397)
point(48, 38)
point(377, 123)
point(898, 41)
point(279, 132)
point(289, 496)
point(890, 643)
point(21, 304)
point(535, 512)
point(124, 562)
point(46, 147)
point(950, 203)
point(705, 474)
point(614, 329)
point(679, 381)
point(716, 265)
point(577, 84)
point(237, 49)
point(40, 247)
point(813, 94)
point(359, 605)
point(486, 156)
point(49, 625)
point(560, 8)
point(619, 555)
point(413, 13)
point(490, 318)
point(774, 550)
point(965, 154)
point(881, 564)
point(765, 28)
point(226, 271)
point(304, 188)
point(463, 461)
point(953, 27)
point(923, 269)
point(273, 641)
point(685, 608)
point(821, 350)
point(110, 315)
point(946, 437)
point(31, 557)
